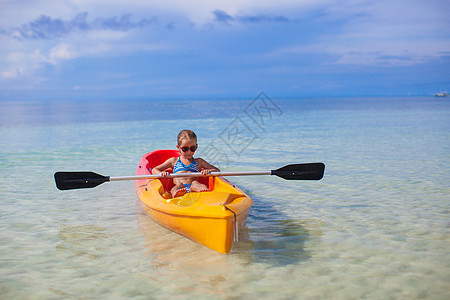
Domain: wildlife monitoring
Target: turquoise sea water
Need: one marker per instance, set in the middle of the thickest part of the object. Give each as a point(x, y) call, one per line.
point(376, 226)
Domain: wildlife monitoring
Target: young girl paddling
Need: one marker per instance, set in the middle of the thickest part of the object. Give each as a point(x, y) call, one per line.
point(187, 145)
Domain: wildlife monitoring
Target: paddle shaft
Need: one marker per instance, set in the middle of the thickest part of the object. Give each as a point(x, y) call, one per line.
point(197, 174)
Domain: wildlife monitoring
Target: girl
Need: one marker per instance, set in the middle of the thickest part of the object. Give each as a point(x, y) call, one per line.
point(187, 145)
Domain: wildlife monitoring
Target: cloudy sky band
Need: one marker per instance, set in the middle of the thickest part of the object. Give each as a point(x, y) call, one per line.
point(194, 48)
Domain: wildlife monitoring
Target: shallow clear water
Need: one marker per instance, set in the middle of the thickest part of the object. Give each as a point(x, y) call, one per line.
point(376, 226)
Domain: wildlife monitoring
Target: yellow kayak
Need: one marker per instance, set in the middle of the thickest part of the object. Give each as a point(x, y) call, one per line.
point(211, 218)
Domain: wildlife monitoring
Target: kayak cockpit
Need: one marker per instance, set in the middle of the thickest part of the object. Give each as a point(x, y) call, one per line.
point(158, 157)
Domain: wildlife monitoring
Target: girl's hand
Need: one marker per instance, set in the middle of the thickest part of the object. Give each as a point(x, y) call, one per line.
point(164, 174)
point(205, 171)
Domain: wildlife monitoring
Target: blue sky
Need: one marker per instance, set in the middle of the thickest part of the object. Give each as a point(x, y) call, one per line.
point(80, 49)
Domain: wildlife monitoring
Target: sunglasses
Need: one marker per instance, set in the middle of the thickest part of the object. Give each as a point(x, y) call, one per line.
point(192, 148)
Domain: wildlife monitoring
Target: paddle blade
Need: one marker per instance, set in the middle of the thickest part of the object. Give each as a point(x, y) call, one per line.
point(309, 171)
point(78, 180)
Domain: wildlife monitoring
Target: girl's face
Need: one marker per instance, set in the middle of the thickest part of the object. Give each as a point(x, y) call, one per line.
point(187, 147)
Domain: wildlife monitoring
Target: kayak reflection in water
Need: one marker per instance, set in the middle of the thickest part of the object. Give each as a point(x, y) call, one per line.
point(185, 163)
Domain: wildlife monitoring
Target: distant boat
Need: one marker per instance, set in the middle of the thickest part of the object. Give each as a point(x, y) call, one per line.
point(442, 94)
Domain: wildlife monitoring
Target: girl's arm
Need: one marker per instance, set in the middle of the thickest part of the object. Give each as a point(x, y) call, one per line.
point(165, 165)
point(206, 167)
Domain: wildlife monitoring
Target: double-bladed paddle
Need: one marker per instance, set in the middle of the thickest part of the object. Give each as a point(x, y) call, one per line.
point(79, 180)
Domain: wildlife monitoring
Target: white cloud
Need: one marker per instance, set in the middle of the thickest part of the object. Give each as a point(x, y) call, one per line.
point(12, 73)
point(61, 52)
